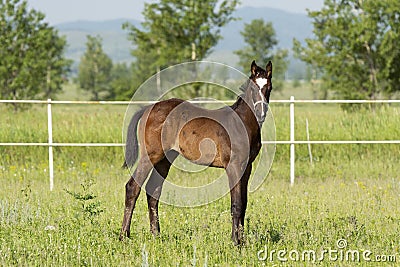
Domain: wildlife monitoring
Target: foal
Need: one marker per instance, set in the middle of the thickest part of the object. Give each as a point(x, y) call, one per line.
point(172, 127)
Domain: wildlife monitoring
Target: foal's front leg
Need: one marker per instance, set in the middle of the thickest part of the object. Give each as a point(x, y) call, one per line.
point(238, 201)
point(244, 190)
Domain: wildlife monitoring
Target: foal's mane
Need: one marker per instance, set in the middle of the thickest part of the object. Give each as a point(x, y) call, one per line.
point(238, 102)
point(240, 98)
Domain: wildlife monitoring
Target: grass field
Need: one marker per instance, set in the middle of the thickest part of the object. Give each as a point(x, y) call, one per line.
point(351, 193)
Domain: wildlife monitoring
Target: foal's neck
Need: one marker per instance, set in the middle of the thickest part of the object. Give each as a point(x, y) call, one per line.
point(243, 107)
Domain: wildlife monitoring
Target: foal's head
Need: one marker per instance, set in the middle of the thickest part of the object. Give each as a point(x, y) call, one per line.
point(261, 91)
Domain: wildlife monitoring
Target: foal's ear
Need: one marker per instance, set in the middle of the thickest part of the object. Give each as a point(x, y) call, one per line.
point(253, 68)
point(269, 69)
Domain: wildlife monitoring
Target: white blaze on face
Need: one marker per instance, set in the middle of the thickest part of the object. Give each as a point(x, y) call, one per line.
point(261, 82)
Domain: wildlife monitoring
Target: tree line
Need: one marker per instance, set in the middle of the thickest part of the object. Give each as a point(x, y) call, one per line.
point(353, 52)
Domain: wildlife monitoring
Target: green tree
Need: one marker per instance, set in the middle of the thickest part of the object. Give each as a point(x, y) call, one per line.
point(176, 31)
point(261, 41)
point(121, 82)
point(95, 68)
point(356, 47)
point(32, 62)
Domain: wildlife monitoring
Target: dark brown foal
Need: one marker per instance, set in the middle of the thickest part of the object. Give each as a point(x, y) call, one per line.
point(226, 138)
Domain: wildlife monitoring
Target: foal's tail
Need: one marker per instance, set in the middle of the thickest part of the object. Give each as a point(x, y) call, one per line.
point(132, 147)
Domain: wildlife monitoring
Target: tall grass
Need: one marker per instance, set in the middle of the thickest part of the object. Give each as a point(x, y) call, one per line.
point(351, 192)
point(39, 227)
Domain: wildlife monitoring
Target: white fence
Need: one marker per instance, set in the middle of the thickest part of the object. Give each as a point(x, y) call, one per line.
point(292, 142)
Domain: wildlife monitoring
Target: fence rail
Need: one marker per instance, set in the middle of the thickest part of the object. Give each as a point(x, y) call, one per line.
point(292, 142)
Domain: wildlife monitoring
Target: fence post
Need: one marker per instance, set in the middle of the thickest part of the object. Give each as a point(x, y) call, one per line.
point(292, 151)
point(50, 141)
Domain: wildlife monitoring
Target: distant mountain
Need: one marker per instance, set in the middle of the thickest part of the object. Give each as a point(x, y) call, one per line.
point(287, 26)
point(96, 26)
point(115, 42)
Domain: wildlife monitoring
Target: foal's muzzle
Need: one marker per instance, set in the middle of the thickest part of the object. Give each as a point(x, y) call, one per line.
point(261, 113)
point(260, 107)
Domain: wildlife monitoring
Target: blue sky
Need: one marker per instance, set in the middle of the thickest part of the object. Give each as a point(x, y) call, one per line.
point(58, 11)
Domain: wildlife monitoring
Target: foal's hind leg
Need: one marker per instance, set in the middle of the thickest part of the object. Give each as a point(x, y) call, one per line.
point(132, 189)
point(154, 188)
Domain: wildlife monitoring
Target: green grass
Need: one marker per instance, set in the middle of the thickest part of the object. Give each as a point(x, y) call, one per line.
point(351, 192)
point(313, 214)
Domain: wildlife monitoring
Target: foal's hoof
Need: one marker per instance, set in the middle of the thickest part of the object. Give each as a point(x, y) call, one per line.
point(123, 235)
point(238, 237)
point(155, 232)
point(235, 240)
point(238, 242)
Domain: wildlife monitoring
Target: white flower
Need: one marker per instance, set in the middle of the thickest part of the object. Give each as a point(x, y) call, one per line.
point(50, 228)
